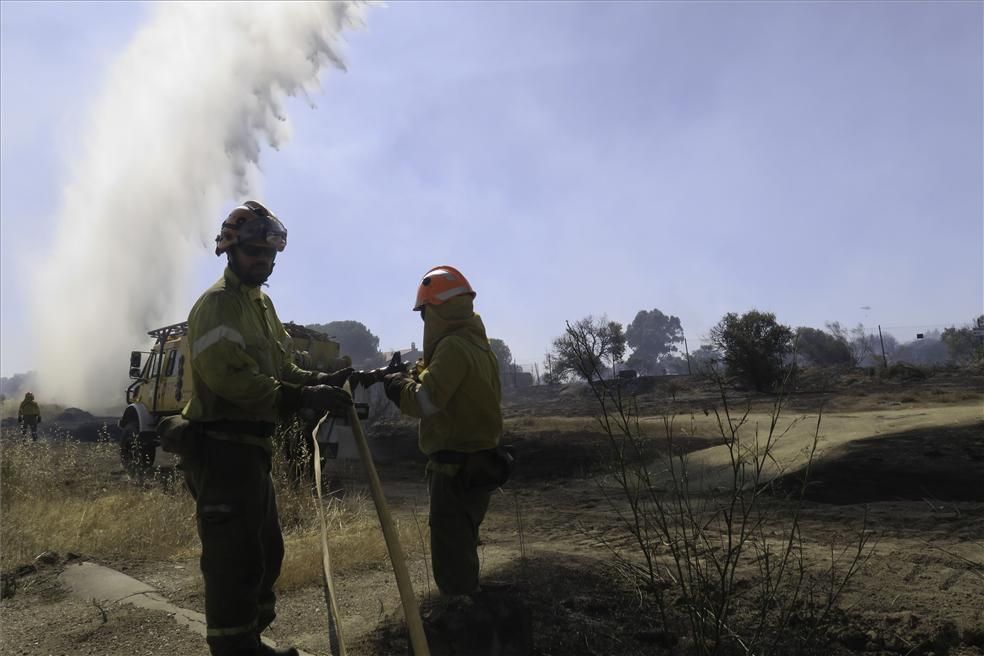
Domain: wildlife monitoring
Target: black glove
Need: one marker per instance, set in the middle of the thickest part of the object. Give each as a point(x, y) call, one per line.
point(364, 378)
point(336, 379)
point(394, 384)
point(20, 419)
point(39, 419)
point(326, 398)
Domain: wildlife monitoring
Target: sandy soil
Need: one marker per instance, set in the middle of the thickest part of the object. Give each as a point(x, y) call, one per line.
point(911, 469)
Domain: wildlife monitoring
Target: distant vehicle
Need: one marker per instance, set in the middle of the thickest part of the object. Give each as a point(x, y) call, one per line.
point(162, 386)
point(627, 374)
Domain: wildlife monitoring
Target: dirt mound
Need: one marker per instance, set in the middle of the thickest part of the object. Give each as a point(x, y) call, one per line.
point(87, 427)
point(73, 415)
point(942, 463)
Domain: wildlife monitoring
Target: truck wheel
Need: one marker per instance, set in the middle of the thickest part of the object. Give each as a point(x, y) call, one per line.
point(137, 453)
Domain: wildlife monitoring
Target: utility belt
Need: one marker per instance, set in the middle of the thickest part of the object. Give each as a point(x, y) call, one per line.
point(486, 469)
point(450, 457)
point(181, 437)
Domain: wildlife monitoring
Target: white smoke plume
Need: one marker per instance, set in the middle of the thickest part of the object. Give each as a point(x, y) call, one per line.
point(173, 139)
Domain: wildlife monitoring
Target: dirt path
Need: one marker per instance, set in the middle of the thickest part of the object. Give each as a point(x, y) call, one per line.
point(792, 439)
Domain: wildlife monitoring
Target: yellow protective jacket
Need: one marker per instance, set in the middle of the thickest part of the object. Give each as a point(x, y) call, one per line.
point(240, 356)
point(461, 409)
point(29, 409)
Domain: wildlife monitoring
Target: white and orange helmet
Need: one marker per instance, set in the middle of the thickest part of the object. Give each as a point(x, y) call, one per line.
point(251, 223)
point(441, 284)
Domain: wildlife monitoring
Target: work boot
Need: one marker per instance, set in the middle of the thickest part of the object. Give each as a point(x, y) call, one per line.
point(437, 611)
point(267, 650)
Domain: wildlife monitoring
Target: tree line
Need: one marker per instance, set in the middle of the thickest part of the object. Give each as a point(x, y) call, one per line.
point(753, 347)
point(362, 346)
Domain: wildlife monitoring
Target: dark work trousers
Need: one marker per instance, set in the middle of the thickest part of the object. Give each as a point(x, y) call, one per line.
point(242, 546)
point(456, 512)
point(30, 424)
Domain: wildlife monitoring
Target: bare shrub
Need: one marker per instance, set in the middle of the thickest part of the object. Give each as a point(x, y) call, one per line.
point(726, 564)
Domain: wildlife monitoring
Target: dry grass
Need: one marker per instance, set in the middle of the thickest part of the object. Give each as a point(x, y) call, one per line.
point(865, 420)
point(355, 540)
point(67, 496)
point(60, 496)
point(355, 543)
point(139, 525)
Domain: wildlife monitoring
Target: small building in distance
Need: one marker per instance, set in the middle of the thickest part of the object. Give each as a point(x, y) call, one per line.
point(410, 355)
point(514, 376)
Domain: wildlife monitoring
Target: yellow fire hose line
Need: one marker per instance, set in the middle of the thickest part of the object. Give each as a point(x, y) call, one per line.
point(325, 559)
point(418, 640)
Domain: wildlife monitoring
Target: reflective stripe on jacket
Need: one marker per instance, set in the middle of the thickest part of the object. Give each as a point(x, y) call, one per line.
point(240, 355)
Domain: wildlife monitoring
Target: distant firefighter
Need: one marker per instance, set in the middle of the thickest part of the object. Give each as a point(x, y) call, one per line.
point(29, 416)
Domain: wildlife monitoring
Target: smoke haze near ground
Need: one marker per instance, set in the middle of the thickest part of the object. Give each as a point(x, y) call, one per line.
point(174, 137)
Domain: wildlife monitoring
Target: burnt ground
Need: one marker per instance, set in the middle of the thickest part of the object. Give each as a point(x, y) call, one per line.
point(945, 463)
point(561, 617)
point(73, 423)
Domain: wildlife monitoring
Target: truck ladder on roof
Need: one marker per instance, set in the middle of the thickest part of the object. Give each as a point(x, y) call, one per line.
point(174, 330)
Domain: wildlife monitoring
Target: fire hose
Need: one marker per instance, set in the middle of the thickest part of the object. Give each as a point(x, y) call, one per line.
point(411, 610)
point(336, 643)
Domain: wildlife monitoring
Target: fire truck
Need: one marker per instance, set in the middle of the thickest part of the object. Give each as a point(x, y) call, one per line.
point(162, 386)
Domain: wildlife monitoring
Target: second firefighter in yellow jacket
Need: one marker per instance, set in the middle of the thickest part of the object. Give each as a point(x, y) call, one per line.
point(456, 394)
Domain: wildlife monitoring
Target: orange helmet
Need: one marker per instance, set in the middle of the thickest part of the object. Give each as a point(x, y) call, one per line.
point(251, 223)
point(441, 284)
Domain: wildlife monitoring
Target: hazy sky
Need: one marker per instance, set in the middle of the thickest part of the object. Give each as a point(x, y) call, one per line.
point(809, 159)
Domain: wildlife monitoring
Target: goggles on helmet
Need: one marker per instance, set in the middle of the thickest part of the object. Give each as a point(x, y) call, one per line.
point(266, 231)
point(251, 223)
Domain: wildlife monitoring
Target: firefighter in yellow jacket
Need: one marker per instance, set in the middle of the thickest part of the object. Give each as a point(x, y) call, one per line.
point(29, 416)
point(456, 394)
point(243, 380)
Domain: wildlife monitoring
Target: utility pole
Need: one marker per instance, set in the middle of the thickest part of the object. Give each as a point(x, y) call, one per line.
point(882, 340)
point(686, 349)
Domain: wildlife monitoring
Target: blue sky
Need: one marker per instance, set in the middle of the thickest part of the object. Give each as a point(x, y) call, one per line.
point(808, 159)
